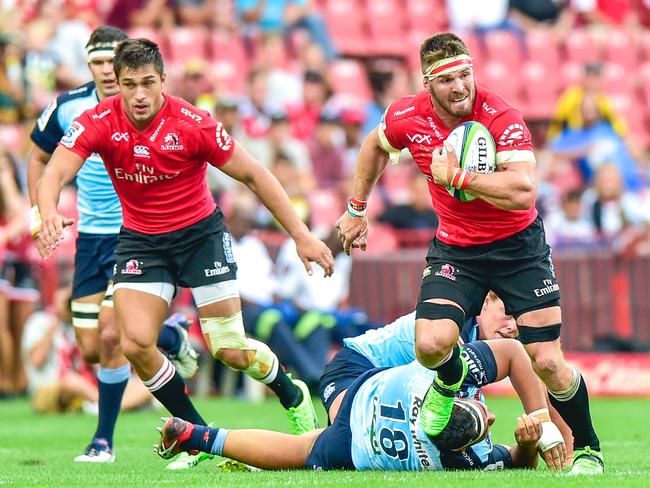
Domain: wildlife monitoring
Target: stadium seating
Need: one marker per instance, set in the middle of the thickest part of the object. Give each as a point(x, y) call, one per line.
point(386, 24)
point(348, 77)
point(347, 25)
point(229, 63)
point(188, 42)
point(542, 46)
point(540, 90)
point(621, 49)
point(581, 47)
point(497, 76)
point(504, 46)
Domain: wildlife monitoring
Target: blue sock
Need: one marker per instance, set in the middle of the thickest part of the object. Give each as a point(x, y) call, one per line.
point(112, 383)
point(207, 439)
point(169, 339)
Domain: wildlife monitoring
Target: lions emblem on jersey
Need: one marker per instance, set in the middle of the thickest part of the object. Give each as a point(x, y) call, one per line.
point(476, 152)
point(171, 142)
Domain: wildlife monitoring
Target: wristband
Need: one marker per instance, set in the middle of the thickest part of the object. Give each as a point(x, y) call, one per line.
point(356, 213)
point(460, 179)
point(35, 221)
point(357, 208)
point(551, 435)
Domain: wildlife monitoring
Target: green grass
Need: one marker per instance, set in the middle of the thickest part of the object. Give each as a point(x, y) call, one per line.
point(38, 451)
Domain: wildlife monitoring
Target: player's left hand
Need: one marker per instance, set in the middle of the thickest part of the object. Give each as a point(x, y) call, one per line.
point(528, 431)
point(443, 164)
point(555, 457)
point(311, 249)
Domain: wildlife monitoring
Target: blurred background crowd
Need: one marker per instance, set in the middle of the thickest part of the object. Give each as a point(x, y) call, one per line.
point(299, 83)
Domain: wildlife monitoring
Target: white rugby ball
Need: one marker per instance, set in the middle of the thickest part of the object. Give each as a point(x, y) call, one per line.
point(476, 152)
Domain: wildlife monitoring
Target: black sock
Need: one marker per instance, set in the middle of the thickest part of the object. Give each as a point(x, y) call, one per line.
point(575, 412)
point(288, 393)
point(169, 339)
point(173, 395)
point(202, 439)
point(451, 371)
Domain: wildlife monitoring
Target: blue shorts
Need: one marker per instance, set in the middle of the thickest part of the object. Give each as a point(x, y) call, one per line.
point(333, 447)
point(340, 373)
point(93, 263)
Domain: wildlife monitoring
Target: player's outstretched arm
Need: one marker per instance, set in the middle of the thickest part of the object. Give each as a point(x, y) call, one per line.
point(38, 159)
point(63, 166)
point(511, 187)
point(527, 434)
point(243, 167)
point(371, 162)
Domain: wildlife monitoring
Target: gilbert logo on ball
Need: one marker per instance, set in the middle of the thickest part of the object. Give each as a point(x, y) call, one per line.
point(475, 150)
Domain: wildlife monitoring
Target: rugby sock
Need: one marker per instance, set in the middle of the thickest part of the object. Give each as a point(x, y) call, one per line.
point(450, 372)
point(573, 407)
point(169, 339)
point(288, 393)
point(169, 389)
point(206, 439)
point(112, 383)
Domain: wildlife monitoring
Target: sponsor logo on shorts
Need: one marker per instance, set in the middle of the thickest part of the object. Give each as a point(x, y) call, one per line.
point(218, 269)
point(172, 143)
point(132, 267)
point(120, 136)
point(447, 271)
point(548, 288)
point(227, 247)
point(329, 389)
point(141, 151)
point(426, 272)
point(71, 135)
point(475, 366)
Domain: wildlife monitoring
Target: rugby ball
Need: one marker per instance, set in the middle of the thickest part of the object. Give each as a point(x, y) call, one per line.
point(476, 152)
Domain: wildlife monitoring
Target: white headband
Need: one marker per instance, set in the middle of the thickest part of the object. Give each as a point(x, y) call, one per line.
point(448, 65)
point(101, 50)
point(479, 422)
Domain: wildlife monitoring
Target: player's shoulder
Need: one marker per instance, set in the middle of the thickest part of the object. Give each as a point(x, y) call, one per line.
point(84, 91)
point(493, 107)
point(403, 108)
point(186, 114)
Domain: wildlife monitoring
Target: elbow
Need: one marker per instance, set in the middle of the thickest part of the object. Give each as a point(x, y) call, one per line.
point(524, 198)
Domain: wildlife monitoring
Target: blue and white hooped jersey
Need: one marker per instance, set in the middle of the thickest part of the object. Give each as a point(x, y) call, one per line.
point(394, 344)
point(99, 207)
point(385, 424)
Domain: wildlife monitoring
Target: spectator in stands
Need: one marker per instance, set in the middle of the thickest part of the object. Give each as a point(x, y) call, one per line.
point(569, 225)
point(416, 213)
point(352, 120)
point(141, 13)
point(283, 79)
point(609, 207)
point(284, 16)
point(195, 13)
point(58, 378)
point(479, 15)
point(195, 86)
point(18, 289)
point(533, 14)
point(12, 93)
point(296, 184)
point(389, 80)
point(305, 114)
point(327, 157)
point(256, 109)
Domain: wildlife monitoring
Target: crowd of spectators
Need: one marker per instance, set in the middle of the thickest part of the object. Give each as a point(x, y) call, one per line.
point(298, 94)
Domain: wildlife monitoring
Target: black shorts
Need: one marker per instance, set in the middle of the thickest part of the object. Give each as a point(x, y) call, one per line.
point(198, 255)
point(94, 261)
point(518, 268)
point(333, 447)
point(346, 366)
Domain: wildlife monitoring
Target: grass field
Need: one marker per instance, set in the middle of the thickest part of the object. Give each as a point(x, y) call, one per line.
point(37, 451)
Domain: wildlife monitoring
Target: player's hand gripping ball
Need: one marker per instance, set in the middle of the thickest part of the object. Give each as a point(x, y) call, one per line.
point(476, 153)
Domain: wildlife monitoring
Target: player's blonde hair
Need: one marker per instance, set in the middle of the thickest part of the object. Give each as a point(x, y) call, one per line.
point(440, 46)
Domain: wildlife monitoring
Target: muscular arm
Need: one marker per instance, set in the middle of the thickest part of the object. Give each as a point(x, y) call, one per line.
point(370, 165)
point(35, 167)
point(511, 187)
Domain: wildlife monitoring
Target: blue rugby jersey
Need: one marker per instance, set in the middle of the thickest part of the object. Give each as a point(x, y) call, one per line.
point(99, 208)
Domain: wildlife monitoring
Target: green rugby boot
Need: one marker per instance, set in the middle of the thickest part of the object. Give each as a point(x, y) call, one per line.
point(587, 462)
point(302, 417)
point(438, 403)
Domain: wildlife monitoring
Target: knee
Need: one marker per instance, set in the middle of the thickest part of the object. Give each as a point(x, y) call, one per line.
point(433, 347)
point(133, 347)
point(89, 348)
point(548, 364)
point(234, 358)
point(110, 338)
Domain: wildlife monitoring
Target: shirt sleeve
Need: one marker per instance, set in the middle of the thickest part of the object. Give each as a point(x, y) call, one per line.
point(481, 364)
point(48, 132)
point(217, 145)
point(512, 137)
point(83, 136)
point(388, 137)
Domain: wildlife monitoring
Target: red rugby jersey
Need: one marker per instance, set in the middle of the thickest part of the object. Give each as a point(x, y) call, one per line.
point(410, 122)
point(159, 173)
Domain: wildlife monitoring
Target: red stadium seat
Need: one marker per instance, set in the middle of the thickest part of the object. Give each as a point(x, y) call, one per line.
point(543, 47)
point(347, 26)
point(229, 62)
point(387, 26)
point(540, 89)
point(325, 208)
point(621, 49)
point(349, 77)
point(644, 45)
point(644, 82)
point(497, 76)
point(505, 47)
point(581, 47)
point(571, 73)
point(616, 79)
point(188, 42)
point(428, 16)
point(152, 35)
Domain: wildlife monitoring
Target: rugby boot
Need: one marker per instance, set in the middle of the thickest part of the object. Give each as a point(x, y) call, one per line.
point(438, 403)
point(303, 416)
point(587, 462)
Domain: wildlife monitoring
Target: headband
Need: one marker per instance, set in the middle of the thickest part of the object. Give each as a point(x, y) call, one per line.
point(448, 65)
point(101, 50)
point(479, 423)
